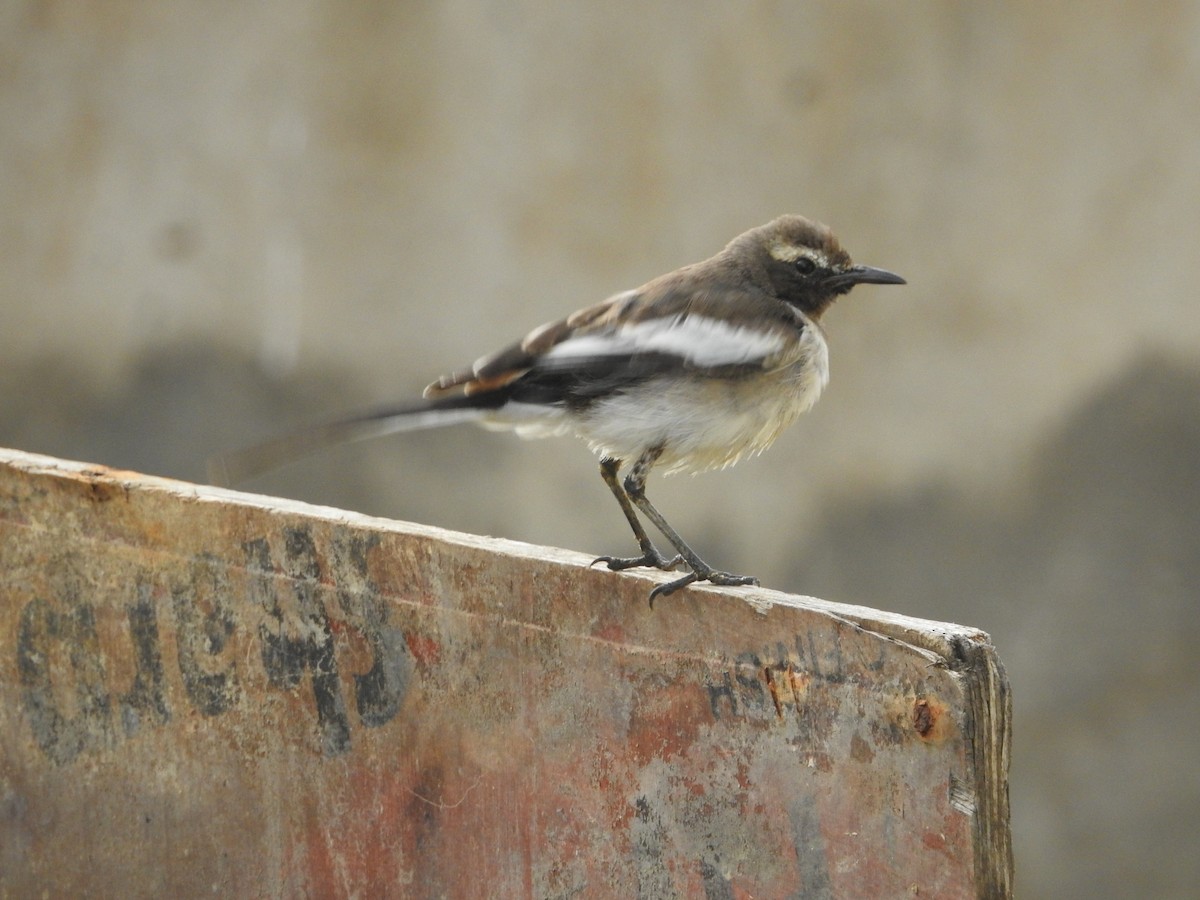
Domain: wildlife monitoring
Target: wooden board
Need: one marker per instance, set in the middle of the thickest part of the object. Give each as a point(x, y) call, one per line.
point(207, 692)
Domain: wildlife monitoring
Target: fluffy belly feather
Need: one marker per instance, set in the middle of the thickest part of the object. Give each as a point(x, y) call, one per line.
point(702, 424)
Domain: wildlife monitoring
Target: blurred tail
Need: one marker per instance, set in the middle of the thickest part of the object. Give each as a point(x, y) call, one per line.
point(231, 468)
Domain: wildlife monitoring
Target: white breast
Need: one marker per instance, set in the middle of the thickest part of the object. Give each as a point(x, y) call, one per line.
point(707, 423)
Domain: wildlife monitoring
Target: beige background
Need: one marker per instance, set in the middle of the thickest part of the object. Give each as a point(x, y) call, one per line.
point(219, 219)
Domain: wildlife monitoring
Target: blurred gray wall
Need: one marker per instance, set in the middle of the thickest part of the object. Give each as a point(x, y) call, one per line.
point(221, 219)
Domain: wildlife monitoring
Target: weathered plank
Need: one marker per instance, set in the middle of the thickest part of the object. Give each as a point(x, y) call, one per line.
point(205, 691)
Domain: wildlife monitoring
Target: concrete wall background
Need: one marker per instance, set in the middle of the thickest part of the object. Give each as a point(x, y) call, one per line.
point(221, 219)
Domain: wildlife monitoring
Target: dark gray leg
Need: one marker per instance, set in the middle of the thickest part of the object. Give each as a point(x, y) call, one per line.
point(635, 491)
point(650, 556)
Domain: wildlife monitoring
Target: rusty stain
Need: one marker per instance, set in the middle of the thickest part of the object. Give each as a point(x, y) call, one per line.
point(424, 649)
point(799, 682)
point(770, 680)
point(922, 718)
point(929, 719)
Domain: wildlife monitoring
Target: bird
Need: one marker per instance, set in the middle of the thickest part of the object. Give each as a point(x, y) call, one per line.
point(693, 371)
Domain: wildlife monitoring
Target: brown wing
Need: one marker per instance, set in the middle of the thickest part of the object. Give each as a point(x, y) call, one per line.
point(494, 371)
point(703, 290)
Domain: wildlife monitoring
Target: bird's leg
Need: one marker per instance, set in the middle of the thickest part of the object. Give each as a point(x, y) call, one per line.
point(650, 555)
point(635, 488)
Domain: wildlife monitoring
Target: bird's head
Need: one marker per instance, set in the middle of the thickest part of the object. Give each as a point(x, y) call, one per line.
point(801, 262)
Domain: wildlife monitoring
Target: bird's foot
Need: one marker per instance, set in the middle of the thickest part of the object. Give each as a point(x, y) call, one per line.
point(651, 559)
point(709, 575)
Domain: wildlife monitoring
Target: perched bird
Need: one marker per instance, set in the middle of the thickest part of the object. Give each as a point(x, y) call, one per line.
point(692, 371)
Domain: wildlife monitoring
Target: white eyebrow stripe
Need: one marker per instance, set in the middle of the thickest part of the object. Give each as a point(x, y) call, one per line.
point(698, 340)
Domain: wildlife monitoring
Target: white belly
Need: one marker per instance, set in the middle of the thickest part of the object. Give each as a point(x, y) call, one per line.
point(706, 423)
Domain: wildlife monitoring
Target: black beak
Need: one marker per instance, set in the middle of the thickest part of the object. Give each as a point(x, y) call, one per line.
point(862, 275)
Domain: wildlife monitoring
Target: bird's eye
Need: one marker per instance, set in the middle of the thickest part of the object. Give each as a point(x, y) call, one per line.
point(805, 266)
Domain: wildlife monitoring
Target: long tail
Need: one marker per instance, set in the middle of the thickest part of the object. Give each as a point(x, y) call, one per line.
point(232, 468)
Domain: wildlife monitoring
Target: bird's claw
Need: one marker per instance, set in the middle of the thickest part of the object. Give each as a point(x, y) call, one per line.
point(652, 559)
point(724, 579)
